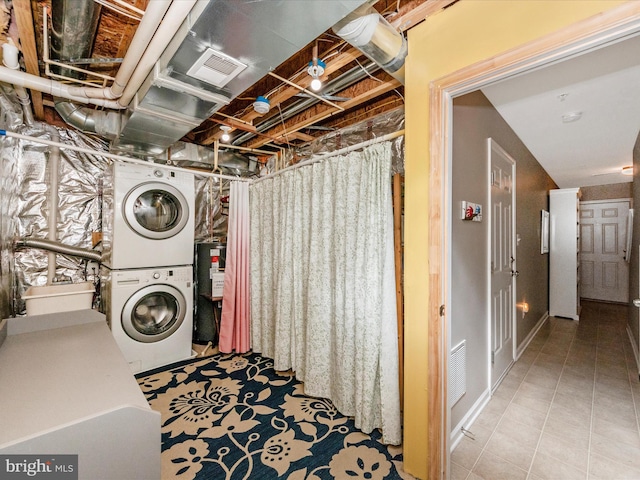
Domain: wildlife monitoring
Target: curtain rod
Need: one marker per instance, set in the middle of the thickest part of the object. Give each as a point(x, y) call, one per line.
point(118, 157)
point(350, 148)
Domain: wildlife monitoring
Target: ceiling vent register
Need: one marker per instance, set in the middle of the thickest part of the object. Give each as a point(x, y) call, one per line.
point(216, 68)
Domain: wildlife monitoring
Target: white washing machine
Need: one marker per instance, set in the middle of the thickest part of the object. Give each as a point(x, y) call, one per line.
point(148, 216)
point(150, 313)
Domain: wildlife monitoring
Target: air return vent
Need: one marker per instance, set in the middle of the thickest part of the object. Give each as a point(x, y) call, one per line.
point(216, 68)
point(458, 372)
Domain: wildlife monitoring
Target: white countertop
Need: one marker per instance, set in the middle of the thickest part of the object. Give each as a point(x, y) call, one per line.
point(58, 369)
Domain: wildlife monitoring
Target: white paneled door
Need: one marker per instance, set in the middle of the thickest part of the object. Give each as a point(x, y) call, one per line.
point(604, 271)
point(502, 260)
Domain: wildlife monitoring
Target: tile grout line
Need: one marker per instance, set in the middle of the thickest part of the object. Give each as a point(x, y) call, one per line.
point(593, 395)
point(483, 450)
point(555, 391)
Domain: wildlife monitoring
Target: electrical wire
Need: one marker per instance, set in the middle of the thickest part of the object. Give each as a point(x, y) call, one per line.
point(365, 71)
point(284, 128)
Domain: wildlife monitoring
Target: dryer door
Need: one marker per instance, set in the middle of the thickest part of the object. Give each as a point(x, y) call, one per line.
point(155, 210)
point(153, 313)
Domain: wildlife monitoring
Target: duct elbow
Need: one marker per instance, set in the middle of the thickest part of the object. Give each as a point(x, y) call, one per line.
point(370, 33)
point(104, 123)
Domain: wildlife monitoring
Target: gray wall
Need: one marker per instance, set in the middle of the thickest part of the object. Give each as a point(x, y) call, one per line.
point(475, 120)
point(606, 192)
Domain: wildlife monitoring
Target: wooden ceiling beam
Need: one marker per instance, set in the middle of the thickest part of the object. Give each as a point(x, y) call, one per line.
point(420, 13)
point(24, 19)
point(368, 88)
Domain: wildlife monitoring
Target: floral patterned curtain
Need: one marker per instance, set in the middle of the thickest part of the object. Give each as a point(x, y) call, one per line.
point(323, 285)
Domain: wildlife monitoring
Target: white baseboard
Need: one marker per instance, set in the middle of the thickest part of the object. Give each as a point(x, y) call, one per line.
point(469, 418)
point(520, 349)
point(473, 413)
point(636, 354)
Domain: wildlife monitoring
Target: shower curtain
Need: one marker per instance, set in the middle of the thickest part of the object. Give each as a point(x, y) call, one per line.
point(323, 285)
point(235, 320)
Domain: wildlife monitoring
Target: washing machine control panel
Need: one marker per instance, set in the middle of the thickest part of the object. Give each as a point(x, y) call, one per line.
point(128, 172)
point(139, 277)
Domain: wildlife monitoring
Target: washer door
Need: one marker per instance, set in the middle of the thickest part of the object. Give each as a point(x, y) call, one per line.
point(153, 313)
point(155, 210)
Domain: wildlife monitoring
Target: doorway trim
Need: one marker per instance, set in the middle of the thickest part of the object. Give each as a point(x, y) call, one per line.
point(590, 34)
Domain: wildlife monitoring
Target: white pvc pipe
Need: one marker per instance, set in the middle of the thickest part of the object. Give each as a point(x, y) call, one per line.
point(175, 16)
point(141, 40)
point(10, 59)
point(57, 89)
point(148, 44)
point(54, 176)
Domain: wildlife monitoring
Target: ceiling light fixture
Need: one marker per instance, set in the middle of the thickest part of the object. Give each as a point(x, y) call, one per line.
point(571, 117)
point(261, 105)
point(316, 70)
point(628, 170)
point(225, 136)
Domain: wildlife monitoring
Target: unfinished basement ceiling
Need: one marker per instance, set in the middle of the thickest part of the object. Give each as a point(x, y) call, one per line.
point(355, 88)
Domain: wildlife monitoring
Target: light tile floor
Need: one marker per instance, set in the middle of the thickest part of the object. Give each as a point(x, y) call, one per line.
point(568, 409)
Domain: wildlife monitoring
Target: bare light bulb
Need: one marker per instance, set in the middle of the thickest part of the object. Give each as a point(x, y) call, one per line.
point(316, 84)
point(225, 136)
point(315, 70)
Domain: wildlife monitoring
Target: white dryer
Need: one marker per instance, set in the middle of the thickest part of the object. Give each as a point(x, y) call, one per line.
point(148, 216)
point(150, 313)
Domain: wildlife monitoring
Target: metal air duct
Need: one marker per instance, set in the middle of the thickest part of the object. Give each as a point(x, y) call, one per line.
point(200, 55)
point(220, 50)
point(370, 32)
point(74, 26)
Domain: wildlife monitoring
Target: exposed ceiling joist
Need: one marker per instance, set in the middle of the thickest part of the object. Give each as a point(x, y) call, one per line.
point(24, 19)
point(360, 93)
point(287, 92)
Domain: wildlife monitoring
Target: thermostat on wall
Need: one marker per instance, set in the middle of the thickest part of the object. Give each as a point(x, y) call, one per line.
point(471, 211)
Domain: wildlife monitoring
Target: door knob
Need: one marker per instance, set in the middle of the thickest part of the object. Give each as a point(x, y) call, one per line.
point(515, 273)
point(636, 302)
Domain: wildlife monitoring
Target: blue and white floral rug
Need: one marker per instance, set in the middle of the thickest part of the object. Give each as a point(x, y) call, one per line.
point(233, 417)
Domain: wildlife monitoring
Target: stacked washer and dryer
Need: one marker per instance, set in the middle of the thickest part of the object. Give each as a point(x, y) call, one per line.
point(147, 271)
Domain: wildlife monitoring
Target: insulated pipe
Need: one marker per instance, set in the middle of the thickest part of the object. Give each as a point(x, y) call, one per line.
point(58, 247)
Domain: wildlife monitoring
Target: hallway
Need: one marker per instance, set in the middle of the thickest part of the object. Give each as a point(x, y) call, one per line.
point(568, 409)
